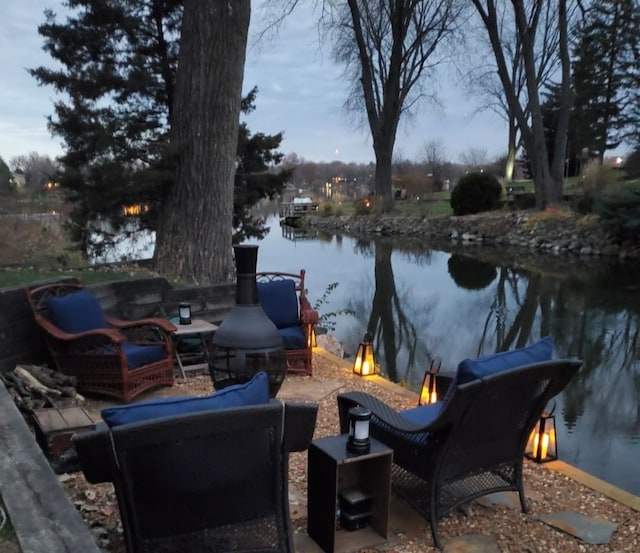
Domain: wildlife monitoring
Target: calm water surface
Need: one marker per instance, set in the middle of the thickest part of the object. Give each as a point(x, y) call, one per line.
point(422, 303)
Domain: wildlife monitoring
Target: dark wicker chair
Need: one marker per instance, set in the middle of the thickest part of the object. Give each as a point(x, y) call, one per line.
point(283, 298)
point(475, 442)
point(107, 356)
point(214, 481)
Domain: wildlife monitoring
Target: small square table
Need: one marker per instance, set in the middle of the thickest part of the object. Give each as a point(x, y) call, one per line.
point(189, 360)
point(333, 474)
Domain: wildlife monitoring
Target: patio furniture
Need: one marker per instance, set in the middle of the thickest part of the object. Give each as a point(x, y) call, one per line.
point(106, 355)
point(472, 443)
point(202, 474)
point(283, 298)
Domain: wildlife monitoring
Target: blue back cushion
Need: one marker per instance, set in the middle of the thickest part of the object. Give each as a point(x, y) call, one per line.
point(76, 312)
point(254, 392)
point(279, 301)
point(470, 369)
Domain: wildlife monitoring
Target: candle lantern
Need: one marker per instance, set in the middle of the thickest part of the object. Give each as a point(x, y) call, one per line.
point(364, 363)
point(428, 392)
point(358, 441)
point(184, 311)
point(543, 446)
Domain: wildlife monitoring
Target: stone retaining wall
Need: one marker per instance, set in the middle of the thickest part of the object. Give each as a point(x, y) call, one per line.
point(554, 234)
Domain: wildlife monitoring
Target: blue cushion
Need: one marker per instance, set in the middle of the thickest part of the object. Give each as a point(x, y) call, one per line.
point(142, 355)
point(293, 337)
point(254, 392)
point(425, 414)
point(279, 301)
point(470, 369)
point(76, 312)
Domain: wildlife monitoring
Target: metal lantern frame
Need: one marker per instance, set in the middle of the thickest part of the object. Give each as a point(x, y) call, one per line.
point(428, 391)
point(365, 363)
point(542, 446)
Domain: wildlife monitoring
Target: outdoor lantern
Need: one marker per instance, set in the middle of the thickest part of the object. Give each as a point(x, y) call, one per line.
point(184, 311)
point(365, 364)
point(542, 446)
point(428, 392)
point(358, 441)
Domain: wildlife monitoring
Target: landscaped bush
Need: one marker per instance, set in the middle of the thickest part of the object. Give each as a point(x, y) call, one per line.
point(476, 192)
point(620, 215)
point(325, 209)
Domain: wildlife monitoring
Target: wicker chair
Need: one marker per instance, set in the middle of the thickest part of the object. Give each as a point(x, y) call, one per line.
point(469, 445)
point(283, 298)
point(211, 481)
point(107, 356)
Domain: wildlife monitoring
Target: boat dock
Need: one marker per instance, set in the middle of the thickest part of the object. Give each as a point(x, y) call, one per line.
point(291, 212)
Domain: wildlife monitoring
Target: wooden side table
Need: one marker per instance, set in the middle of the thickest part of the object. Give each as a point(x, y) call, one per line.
point(334, 474)
point(193, 361)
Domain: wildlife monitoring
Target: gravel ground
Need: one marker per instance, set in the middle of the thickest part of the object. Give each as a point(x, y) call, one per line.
point(547, 492)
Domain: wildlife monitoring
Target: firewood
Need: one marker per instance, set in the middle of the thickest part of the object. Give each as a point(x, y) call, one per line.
point(34, 383)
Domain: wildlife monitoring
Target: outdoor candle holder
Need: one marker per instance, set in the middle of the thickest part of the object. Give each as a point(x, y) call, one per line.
point(365, 363)
point(542, 446)
point(358, 441)
point(428, 392)
point(184, 311)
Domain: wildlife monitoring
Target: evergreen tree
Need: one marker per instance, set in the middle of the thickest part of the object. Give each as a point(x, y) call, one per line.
point(121, 81)
point(605, 55)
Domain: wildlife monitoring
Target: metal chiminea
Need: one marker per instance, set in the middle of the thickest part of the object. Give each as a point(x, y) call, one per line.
point(247, 341)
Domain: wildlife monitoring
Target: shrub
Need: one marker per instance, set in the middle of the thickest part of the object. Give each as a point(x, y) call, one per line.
point(363, 206)
point(325, 209)
point(620, 214)
point(476, 192)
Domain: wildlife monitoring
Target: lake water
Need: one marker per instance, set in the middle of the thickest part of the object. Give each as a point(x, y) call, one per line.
point(421, 303)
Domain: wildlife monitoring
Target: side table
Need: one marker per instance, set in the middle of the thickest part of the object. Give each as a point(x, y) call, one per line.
point(196, 360)
point(334, 476)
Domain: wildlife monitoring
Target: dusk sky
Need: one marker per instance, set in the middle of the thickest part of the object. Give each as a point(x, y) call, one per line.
point(301, 92)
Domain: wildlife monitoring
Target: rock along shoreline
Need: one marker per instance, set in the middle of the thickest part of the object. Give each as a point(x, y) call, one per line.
point(543, 232)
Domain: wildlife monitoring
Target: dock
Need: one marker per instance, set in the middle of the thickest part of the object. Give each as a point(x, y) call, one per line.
point(292, 212)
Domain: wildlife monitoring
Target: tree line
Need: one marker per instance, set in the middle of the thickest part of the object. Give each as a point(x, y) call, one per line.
point(150, 97)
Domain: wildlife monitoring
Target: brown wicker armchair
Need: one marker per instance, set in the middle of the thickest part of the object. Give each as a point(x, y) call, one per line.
point(107, 356)
point(283, 298)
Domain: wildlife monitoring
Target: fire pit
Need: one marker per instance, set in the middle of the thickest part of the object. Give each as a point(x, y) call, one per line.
point(247, 341)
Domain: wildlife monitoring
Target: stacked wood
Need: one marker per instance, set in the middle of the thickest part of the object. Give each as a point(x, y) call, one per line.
point(37, 386)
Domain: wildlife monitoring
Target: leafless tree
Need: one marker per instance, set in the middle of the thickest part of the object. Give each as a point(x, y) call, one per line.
point(434, 156)
point(540, 32)
point(474, 158)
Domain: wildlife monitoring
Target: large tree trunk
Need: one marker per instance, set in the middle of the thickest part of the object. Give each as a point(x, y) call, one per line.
point(195, 231)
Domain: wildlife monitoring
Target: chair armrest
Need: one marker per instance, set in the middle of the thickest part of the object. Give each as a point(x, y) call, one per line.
point(380, 410)
point(167, 326)
point(308, 315)
point(95, 454)
point(444, 379)
point(299, 425)
point(54, 331)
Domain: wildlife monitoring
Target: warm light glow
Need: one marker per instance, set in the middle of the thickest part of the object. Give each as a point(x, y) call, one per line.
point(135, 209)
point(545, 446)
point(542, 446)
point(312, 342)
point(364, 363)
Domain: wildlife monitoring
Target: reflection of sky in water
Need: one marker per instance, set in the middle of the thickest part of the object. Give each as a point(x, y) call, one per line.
point(605, 437)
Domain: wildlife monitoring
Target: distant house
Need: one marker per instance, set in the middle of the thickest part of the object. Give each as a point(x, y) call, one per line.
point(19, 180)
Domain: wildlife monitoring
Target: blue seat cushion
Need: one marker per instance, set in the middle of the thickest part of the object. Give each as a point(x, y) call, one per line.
point(254, 392)
point(76, 312)
point(279, 300)
point(424, 414)
point(138, 355)
point(470, 369)
point(293, 337)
